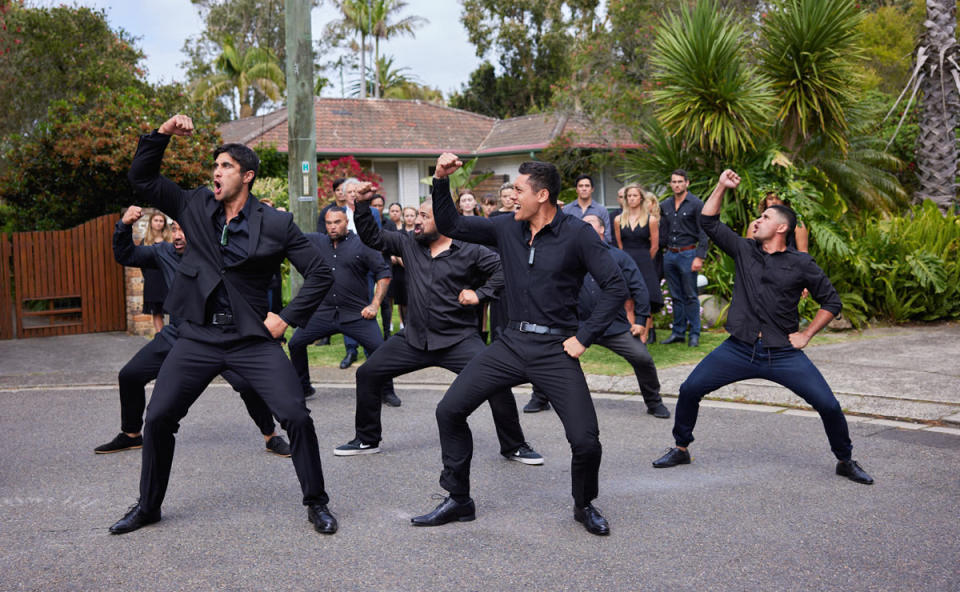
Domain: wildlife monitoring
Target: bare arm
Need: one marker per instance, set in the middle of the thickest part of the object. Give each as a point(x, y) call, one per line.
point(616, 231)
point(654, 237)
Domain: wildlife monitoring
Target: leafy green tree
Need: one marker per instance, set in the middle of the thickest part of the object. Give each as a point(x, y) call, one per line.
point(239, 76)
point(810, 51)
point(531, 39)
point(356, 18)
point(386, 24)
point(888, 35)
point(73, 166)
point(705, 91)
point(57, 53)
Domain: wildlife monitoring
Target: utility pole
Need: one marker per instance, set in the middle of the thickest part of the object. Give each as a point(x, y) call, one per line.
point(301, 130)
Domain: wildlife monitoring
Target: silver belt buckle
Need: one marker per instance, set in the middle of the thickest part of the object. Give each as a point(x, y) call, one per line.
point(526, 327)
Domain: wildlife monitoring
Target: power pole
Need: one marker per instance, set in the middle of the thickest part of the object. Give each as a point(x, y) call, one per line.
point(301, 133)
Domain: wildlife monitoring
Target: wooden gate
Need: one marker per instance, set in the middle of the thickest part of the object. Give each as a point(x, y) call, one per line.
point(67, 282)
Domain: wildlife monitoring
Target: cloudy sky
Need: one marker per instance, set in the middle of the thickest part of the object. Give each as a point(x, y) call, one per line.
point(163, 25)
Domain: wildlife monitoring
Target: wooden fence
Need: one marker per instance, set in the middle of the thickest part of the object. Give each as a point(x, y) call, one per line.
point(64, 282)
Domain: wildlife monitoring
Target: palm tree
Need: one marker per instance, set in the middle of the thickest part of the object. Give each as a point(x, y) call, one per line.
point(706, 92)
point(356, 19)
point(241, 74)
point(381, 11)
point(937, 155)
point(809, 50)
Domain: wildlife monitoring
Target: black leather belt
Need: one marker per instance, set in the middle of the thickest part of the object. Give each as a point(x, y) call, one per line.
point(221, 318)
point(525, 327)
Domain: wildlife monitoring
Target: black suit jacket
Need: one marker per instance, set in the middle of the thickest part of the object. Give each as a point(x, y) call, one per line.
point(273, 237)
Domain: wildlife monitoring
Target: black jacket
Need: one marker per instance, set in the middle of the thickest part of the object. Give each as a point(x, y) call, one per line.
point(273, 237)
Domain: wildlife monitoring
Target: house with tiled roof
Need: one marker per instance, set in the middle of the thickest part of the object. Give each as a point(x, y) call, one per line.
point(400, 140)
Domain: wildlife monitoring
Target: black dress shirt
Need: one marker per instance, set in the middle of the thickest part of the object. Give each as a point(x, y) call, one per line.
point(232, 253)
point(350, 261)
point(767, 287)
point(435, 317)
point(543, 279)
point(590, 294)
point(680, 227)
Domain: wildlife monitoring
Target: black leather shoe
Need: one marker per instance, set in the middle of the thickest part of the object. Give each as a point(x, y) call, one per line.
point(592, 520)
point(852, 470)
point(134, 518)
point(672, 458)
point(535, 405)
point(391, 399)
point(674, 338)
point(448, 511)
point(348, 360)
point(321, 518)
point(651, 336)
point(660, 411)
point(694, 341)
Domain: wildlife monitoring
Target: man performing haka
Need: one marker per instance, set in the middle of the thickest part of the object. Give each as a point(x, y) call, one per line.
point(220, 294)
point(763, 320)
point(145, 364)
point(545, 255)
point(441, 325)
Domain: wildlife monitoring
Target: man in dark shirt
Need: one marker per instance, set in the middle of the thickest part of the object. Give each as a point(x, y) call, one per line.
point(339, 201)
point(763, 320)
point(685, 247)
point(545, 255)
point(145, 364)
point(346, 308)
point(625, 336)
point(220, 293)
point(445, 280)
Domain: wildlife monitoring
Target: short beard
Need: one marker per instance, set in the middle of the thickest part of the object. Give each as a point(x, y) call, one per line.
point(426, 239)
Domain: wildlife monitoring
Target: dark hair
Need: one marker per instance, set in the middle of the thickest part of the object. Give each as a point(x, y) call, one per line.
point(766, 200)
point(338, 182)
point(245, 157)
point(680, 173)
point(396, 203)
point(543, 175)
point(333, 209)
point(581, 178)
point(376, 196)
point(489, 199)
point(789, 215)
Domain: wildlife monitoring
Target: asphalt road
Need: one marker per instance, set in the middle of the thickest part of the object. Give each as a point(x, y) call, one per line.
point(759, 509)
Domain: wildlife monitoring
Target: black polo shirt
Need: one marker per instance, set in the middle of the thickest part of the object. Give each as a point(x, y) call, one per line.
point(767, 287)
point(543, 279)
point(350, 261)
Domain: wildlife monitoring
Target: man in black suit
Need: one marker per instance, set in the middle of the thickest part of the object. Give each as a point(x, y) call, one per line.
point(220, 294)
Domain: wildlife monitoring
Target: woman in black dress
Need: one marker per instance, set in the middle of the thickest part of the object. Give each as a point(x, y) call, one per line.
point(154, 287)
point(637, 231)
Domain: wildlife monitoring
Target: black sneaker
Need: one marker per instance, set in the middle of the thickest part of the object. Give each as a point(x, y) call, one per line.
point(526, 455)
point(278, 446)
point(391, 399)
point(355, 447)
point(309, 392)
point(660, 411)
point(119, 444)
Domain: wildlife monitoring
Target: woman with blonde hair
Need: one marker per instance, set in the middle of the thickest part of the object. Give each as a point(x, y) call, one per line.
point(154, 286)
point(637, 231)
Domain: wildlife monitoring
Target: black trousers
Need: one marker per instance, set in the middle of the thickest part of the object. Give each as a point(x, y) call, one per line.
point(187, 371)
point(635, 352)
point(397, 357)
point(365, 331)
point(144, 367)
point(513, 359)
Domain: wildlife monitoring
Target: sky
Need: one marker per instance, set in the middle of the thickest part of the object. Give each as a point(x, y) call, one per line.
point(163, 25)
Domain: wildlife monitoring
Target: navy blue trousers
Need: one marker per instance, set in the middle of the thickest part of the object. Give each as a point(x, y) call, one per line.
point(736, 360)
